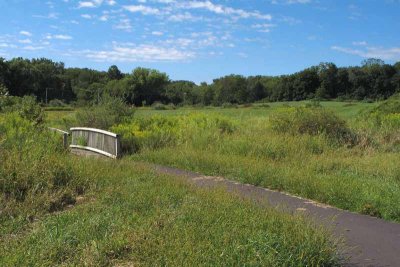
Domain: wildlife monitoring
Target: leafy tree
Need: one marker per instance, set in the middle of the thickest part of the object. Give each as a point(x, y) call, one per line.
point(146, 85)
point(327, 73)
point(372, 62)
point(230, 89)
point(305, 84)
point(3, 90)
point(343, 83)
point(114, 73)
point(255, 89)
point(178, 92)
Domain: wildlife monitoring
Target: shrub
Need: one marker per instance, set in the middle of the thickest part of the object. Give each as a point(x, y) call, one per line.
point(386, 114)
point(263, 105)
point(109, 112)
point(56, 103)
point(314, 103)
point(26, 107)
point(229, 105)
point(312, 121)
point(159, 106)
point(158, 131)
point(36, 175)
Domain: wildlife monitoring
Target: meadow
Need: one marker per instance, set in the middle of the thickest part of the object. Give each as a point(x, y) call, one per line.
point(361, 174)
point(343, 154)
point(60, 210)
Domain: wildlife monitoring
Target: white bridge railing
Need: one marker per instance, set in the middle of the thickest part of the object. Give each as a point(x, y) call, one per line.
point(95, 140)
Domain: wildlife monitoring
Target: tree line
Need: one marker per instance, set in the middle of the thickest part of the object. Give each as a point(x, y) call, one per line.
point(49, 80)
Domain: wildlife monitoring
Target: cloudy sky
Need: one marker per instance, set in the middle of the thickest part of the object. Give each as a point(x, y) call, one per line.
point(201, 40)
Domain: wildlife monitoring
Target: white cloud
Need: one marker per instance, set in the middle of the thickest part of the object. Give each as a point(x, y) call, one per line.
point(25, 41)
point(86, 16)
point(62, 37)
point(104, 18)
point(183, 17)
point(124, 24)
point(26, 33)
point(158, 33)
point(265, 27)
point(51, 15)
point(392, 53)
point(145, 10)
point(86, 4)
point(290, 2)
point(32, 48)
point(95, 3)
point(223, 10)
point(361, 43)
point(58, 36)
point(140, 53)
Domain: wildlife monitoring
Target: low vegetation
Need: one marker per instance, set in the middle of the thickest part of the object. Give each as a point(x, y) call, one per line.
point(60, 210)
point(345, 160)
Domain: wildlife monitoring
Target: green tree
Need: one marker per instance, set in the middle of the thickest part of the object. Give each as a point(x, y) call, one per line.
point(327, 73)
point(146, 85)
point(231, 88)
point(114, 73)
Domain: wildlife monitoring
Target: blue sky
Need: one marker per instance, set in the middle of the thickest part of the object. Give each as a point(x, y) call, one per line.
point(201, 40)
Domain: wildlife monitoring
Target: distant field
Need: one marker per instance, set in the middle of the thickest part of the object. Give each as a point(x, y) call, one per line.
point(344, 109)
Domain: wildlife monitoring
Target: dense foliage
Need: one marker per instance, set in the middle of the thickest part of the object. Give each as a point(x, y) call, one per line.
point(49, 80)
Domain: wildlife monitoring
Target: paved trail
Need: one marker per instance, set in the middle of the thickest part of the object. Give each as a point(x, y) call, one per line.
point(372, 241)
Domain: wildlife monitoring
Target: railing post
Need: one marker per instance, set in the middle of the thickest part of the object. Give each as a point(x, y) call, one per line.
point(117, 146)
point(65, 140)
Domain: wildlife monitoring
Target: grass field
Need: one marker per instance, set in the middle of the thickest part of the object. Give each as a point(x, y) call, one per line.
point(364, 178)
point(57, 209)
point(61, 210)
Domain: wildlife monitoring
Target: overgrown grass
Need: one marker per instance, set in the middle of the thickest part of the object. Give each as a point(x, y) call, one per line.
point(363, 177)
point(61, 210)
point(139, 218)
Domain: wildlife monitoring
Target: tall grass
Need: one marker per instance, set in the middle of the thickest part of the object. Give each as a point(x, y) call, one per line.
point(60, 210)
point(35, 177)
point(310, 152)
point(138, 218)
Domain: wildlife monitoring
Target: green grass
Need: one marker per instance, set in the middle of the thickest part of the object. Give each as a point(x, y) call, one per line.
point(343, 109)
point(364, 178)
point(57, 209)
point(136, 217)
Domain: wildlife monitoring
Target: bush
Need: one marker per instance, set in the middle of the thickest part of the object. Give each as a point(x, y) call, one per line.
point(263, 105)
point(159, 106)
point(314, 103)
point(35, 173)
point(386, 114)
point(158, 131)
point(312, 121)
point(229, 105)
point(26, 107)
point(56, 103)
point(109, 112)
